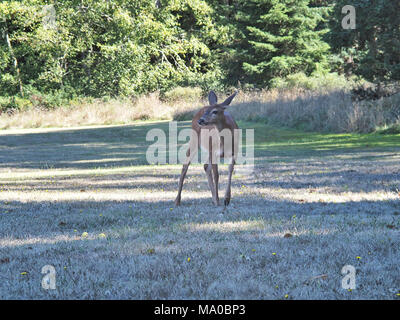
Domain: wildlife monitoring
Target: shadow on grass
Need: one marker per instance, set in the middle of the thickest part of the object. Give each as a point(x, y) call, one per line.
point(345, 180)
point(24, 220)
point(127, 145)
point(78, 148)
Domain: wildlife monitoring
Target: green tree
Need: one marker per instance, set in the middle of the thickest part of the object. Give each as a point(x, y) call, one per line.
point(372, 50)
point(278, 38)
point(116, 47)
point(15, 19)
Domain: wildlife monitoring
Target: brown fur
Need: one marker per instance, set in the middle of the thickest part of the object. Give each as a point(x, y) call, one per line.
point(215, 120)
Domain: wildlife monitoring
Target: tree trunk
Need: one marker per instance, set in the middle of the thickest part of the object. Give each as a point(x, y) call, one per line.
point(18, 75)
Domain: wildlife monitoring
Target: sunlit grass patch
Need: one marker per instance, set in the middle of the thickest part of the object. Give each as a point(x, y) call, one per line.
point(229, 226)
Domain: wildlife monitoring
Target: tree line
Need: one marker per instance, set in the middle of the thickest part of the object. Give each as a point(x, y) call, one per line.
point(130, 47)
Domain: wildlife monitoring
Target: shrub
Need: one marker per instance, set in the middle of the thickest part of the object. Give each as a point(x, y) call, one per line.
point(328, 81)
point(14, 103)
point(393, 129)
point(189, 94)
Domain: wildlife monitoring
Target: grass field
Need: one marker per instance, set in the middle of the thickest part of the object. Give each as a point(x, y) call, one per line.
point(84, 201)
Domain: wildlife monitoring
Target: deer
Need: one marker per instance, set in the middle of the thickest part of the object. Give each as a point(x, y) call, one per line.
point(215, 131)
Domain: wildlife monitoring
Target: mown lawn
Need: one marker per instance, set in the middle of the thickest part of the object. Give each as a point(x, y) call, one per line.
point(85, 201)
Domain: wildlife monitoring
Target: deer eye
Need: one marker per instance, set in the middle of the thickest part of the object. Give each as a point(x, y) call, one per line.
point(215, 112)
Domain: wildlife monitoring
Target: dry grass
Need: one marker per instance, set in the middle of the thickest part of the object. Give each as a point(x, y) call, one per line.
point(322, 111)
point(334, 194)
point(311, 110)
point(98, 112)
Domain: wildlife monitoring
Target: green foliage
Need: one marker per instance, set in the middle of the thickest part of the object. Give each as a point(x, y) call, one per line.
point(14, 103)
point(393, 129)
point(329, 81)
point(114, 48)
point(372, 50)
point(125, 48)
point(189, 94)
point(279, 38)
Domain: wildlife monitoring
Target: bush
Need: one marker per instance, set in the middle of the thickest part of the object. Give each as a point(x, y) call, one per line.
point(393, 129)
point(184, 115)
point(328, 81)
point(189, 94)
point(14, 103)
point(52, 99)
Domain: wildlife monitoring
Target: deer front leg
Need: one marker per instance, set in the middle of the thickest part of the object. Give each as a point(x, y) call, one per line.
point(228, 189)
point(216, 179)
point(208, 170)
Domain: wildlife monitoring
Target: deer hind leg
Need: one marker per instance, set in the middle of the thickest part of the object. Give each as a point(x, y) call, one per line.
point(208, 170)
point(228, 189)
point(189, 157)
point(216, 179)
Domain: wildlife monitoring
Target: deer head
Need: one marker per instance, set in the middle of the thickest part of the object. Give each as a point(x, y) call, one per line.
point(214, 113)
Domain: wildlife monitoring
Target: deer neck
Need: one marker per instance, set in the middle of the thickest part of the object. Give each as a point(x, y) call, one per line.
point(221, 125)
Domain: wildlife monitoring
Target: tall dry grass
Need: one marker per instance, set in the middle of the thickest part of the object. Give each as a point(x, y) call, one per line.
point(324, 111)
point(312, 110)
point(97, 112)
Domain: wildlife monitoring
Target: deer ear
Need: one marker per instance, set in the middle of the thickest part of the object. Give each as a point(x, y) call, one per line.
point(228, 100)
point(212, 98)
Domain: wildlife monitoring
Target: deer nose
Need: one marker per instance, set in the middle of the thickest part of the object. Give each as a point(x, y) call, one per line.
point(201, 121)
